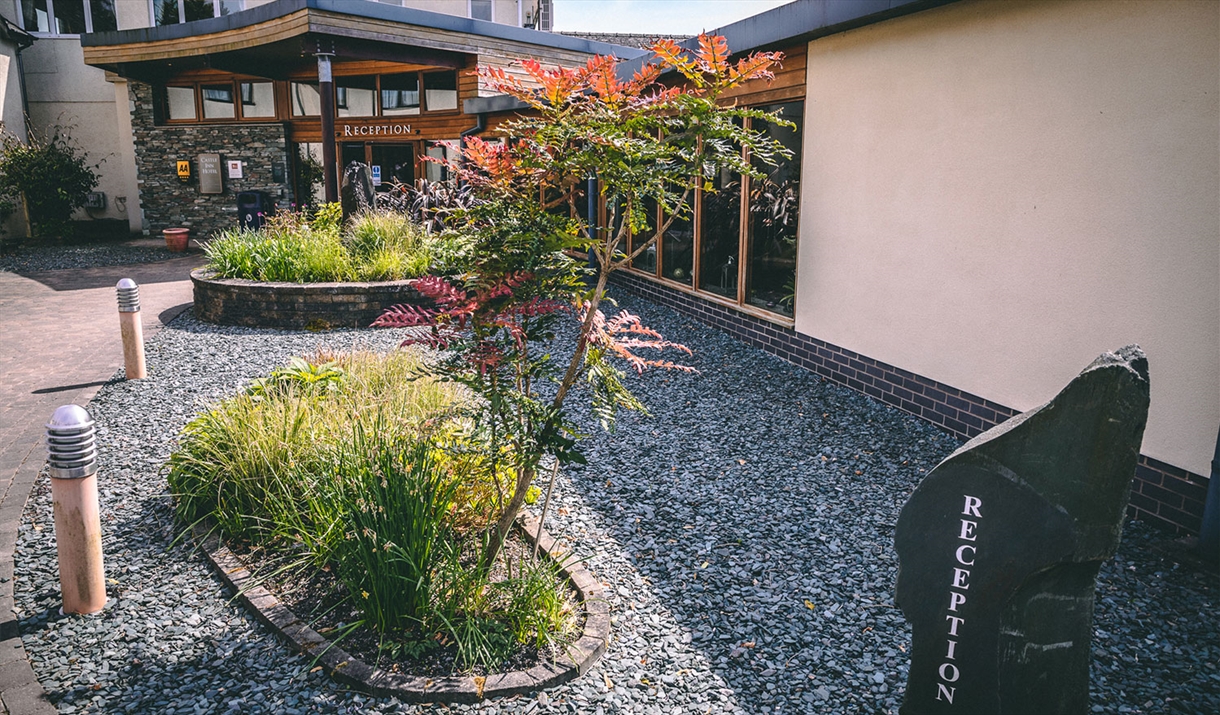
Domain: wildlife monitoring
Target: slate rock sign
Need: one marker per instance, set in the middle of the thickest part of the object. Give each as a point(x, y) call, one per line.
point(1000, 545)
point(356, 193)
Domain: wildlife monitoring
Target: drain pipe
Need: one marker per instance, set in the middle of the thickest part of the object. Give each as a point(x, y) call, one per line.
point(480, 126)
point(1209, 534)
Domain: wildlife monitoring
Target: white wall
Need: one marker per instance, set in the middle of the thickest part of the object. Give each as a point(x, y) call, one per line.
point(996, 192)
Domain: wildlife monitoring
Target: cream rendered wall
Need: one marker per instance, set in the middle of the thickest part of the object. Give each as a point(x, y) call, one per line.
point(13, 120)
point(996, 192)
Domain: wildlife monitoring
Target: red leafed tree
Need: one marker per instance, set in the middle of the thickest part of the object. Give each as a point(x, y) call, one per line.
point(651, 139)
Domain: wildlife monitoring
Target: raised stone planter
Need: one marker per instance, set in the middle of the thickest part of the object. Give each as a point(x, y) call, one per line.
point(346, 668)
point(315, 306)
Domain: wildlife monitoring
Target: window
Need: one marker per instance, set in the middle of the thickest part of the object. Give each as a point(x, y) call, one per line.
point(180, 103)
point(439, 172)
point(306, 99)
point(400, 94)
point(257, 99)
point(67, 17)
point(172, 12)
point(750, 263)
point(440, 91)
point(482, 10)
point(220, 101)
point(355, 96)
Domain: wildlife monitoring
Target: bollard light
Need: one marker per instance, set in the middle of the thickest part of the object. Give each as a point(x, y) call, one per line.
point(132, 330)
point(129, 296)
point(72, 464)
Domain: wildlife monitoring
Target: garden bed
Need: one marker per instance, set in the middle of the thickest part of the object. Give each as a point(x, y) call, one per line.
point(745, 532)
point(312, 306)
point(550, 669)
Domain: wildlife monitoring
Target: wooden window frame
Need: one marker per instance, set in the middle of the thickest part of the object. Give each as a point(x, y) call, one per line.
point(238, 114)
point(743, 243)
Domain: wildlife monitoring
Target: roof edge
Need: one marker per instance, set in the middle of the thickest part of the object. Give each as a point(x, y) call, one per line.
point(797, 22)
point(367, 10)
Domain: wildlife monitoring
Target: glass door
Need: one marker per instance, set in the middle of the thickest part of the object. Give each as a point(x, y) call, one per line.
point(392, 164)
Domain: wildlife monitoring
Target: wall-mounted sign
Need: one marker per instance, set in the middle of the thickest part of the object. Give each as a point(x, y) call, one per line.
point(209, 174)
point(184, 170)
point(234, 168)
point(375, 130)
point(376, 174)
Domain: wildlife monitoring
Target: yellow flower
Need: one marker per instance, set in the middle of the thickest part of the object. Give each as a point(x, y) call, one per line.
point(365, 594)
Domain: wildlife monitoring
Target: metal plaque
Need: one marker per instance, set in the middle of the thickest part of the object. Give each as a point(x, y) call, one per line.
point(209, 174)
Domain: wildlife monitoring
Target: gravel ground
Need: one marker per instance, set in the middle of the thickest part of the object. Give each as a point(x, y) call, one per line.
point(32, 259)
point(744, 529)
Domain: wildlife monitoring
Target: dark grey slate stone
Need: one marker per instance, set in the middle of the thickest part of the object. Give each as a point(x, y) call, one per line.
point(356, 193)
point(1000, 545)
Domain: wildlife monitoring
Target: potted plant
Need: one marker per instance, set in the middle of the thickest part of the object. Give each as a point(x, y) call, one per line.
point(177, 239)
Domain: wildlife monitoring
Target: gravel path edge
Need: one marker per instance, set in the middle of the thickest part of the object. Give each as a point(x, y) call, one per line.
point(577, 659)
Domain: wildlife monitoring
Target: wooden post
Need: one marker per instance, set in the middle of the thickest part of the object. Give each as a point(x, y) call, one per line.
point(326, 90)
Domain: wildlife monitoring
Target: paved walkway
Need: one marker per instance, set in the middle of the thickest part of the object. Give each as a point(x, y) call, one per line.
point(59, 342)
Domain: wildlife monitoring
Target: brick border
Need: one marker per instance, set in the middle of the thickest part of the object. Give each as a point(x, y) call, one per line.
point(576, 661)
point(256, 304)
point(1161, 493)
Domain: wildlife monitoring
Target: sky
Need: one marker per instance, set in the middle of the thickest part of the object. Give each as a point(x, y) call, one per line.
point(679, 17)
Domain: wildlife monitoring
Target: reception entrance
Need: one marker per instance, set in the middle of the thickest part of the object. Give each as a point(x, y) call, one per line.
point(390, 163)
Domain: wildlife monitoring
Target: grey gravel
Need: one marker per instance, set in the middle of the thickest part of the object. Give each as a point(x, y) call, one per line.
point(744, 531)
point(39, 257)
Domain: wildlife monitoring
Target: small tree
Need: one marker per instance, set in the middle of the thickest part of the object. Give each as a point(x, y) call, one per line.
point(51, 175)
point(647, 143)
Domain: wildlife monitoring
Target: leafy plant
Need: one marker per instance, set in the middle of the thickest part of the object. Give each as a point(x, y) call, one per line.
point(648, 144)
point(51, 174)
point(300, 373)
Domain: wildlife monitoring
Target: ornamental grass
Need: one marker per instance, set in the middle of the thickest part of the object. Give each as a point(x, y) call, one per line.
point(296, 248)
point(358, 464)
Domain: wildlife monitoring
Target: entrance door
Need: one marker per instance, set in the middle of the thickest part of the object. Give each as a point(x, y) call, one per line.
point(392, 163)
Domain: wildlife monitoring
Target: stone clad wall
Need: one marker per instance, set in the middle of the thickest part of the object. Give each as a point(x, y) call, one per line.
point(169, 203)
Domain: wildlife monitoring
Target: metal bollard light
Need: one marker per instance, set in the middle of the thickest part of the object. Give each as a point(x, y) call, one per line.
point(133, 331)
point(72, 458)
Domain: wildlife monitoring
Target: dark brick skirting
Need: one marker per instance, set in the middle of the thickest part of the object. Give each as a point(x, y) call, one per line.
point(314, 306)
point(1161, 493)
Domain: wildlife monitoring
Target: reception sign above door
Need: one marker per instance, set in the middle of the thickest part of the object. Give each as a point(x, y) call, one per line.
point(374, 130)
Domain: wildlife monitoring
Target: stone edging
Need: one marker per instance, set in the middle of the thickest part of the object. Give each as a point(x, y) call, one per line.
point(346, 668)
point(235, 301)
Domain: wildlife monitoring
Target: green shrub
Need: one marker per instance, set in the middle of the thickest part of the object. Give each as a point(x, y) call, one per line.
point(297, 249)
point(53, 176)
point(357, 463)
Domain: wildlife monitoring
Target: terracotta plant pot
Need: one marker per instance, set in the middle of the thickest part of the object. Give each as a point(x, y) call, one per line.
point(176, 239)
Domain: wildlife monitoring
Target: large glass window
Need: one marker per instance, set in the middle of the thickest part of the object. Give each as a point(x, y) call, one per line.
point(400, 94)
point(760, 273)
point(774, 210)
point(647, 260)
point(678, 250)
point(180, 103)
point(172, 12)
point(218, 101)
point(67, 17)
point(306, 99)
point(440, 91)
point(257, 99)
point(720, 235)
point(482, 10)
point(355, 96)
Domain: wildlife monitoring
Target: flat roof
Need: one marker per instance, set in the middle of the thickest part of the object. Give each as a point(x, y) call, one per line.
point(784, 26)
point(797, 22)
point(367, 10)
